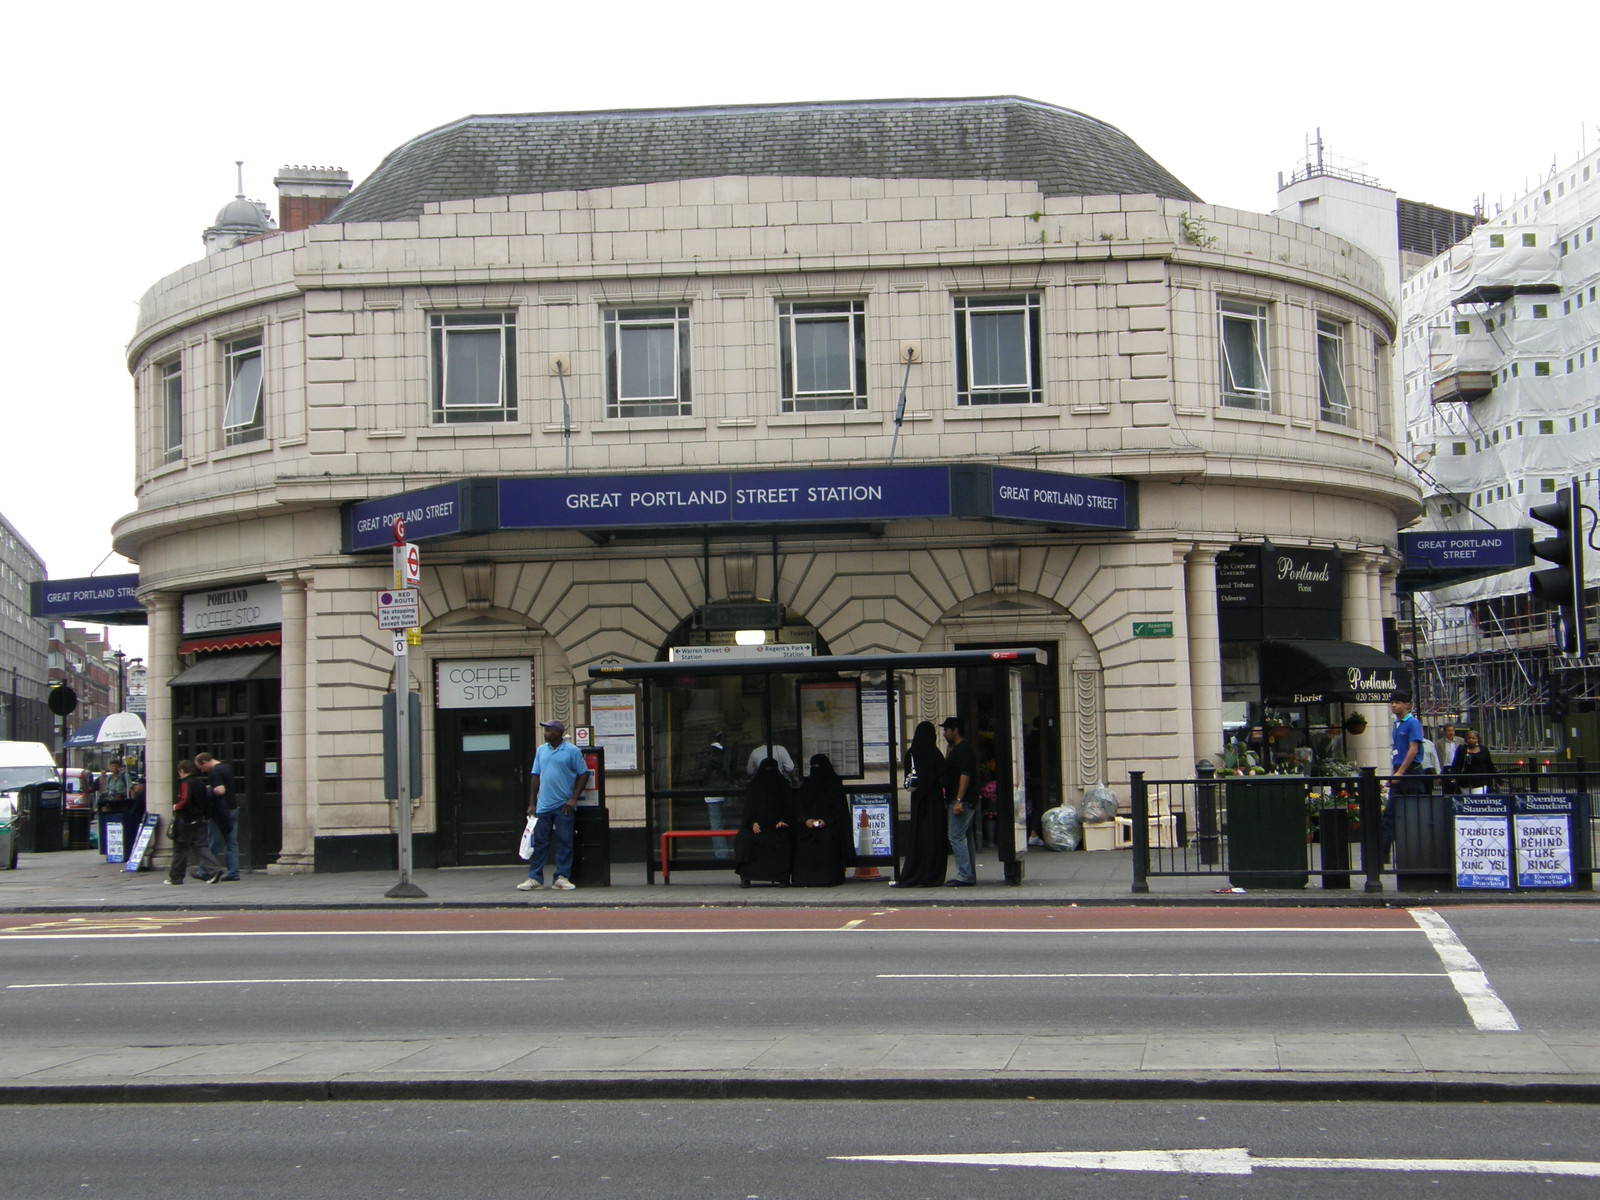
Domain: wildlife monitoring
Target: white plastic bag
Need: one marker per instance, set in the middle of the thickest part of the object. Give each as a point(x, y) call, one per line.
point(525, 850)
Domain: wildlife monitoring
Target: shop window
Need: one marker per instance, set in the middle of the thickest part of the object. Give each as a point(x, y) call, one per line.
point(998, 350)
point(647, 362)
point(474, 367)
point(822, 346)
point(242, 412)
point(1330, 371)
point(171, 410)
point(1242, 333)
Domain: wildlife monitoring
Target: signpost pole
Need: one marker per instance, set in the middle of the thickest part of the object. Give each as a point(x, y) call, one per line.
point(405, 560)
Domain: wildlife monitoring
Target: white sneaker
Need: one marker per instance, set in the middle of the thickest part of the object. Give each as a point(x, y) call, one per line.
point(530, 884)
point(563, 884)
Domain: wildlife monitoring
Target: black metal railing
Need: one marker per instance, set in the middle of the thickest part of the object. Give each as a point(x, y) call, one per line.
point(1281, 831)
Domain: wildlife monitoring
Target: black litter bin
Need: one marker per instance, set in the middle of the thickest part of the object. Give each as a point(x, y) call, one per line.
point(1424, 844)
point(1266, 832)
point(591, 847)
point(44, 829)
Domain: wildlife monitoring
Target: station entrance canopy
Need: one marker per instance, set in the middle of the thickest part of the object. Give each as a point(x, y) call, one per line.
point(698, 502)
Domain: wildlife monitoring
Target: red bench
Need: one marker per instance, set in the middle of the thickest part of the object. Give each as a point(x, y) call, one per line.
point(666, 841)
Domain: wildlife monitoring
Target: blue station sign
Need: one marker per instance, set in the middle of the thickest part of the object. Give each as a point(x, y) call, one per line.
point(1439, 558)
point(446, 510)
point(817, 496)
point(107, 598)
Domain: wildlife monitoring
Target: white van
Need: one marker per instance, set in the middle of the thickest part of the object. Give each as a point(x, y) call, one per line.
point(22, 765)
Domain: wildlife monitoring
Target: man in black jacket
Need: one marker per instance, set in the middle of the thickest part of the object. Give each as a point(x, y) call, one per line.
point(961, 801)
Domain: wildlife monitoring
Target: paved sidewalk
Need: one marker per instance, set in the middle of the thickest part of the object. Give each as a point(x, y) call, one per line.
point(80, 881)
point(1526, 1067)
point(1466, 1064)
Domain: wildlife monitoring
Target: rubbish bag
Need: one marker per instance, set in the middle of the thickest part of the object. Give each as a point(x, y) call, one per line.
point(1099, 804)
point(1063, 828)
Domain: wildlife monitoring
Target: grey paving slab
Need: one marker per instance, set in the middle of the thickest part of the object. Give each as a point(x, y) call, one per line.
point(467, 1054)
point(1079, 1054)
point(119, 1064)
point(20, 1061)
point(235, 1059)
point(826, 1054)
point(1208, 1052)
point(1582, 1058)
point(700, 1054)
point(337, 1058)
point(977, 1052)
point(1516, 1052)
point(1347, 1052)
point(585, 1053)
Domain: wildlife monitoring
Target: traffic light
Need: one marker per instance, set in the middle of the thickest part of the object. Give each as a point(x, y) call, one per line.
point(1561, 585)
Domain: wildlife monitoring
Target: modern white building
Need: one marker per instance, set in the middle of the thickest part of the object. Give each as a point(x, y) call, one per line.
point(856, 378)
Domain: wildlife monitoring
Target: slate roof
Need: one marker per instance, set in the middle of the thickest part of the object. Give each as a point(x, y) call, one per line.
point(1001, 137)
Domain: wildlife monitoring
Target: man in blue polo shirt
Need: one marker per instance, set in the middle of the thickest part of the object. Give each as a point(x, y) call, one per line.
point(1405, 761)
point(559, 775)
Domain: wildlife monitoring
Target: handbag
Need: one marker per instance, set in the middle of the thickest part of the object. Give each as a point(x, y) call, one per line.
point(525, 850)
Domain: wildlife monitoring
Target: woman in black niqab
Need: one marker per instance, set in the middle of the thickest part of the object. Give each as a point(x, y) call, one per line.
point(929, 850)
point(822, 827)
point(764, 850)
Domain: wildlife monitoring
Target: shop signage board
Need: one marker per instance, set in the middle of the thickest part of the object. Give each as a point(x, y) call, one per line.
point(1523, 841)
point(225, 610)
point(483, 683)
point(143, 843)
point(1054, 499)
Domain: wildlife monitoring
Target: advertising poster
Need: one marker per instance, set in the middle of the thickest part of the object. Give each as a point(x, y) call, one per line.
point(869, 820)
point(1544, 850)
point(1483, 852)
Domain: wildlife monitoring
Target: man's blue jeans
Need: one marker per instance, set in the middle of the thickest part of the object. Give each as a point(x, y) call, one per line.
point(964, 840)
point(560, 822)
point(225, 840)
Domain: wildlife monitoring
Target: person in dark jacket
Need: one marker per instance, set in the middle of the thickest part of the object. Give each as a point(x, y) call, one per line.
point(764, 850)
point(1473, 767)
point(929, 851)
point(822, 834)
point(191, 829)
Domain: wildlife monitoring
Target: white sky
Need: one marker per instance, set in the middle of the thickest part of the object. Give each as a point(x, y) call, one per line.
point(126, 123)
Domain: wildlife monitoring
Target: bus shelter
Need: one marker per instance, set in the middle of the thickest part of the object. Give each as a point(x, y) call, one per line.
point(706, 724)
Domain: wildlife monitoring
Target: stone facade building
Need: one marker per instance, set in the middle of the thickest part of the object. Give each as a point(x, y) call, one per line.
point(925, 374)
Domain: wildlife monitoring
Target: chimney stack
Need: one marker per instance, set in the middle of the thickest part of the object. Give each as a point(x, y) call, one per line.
point(306, 195)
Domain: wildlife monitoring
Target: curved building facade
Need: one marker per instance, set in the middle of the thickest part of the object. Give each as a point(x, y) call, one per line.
point(875, 378)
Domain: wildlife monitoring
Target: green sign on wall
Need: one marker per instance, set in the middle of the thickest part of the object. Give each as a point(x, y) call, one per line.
point(1152, 629)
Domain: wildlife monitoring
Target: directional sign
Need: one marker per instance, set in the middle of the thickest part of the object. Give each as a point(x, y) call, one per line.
point(399, 608)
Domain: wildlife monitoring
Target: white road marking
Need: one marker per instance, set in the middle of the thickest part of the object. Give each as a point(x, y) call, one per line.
point(1471, 984)
point(1187, 975)
point(1235, 1161)
point(19, 933)
point(132, 983)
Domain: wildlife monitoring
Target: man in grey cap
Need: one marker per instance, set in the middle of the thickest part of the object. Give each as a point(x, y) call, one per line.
point(558, 779)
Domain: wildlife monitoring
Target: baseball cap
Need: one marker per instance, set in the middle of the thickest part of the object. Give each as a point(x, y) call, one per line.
point(558, 726)
point(950, 723)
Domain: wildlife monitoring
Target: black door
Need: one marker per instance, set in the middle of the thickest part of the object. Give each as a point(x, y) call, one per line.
point(484, 755)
